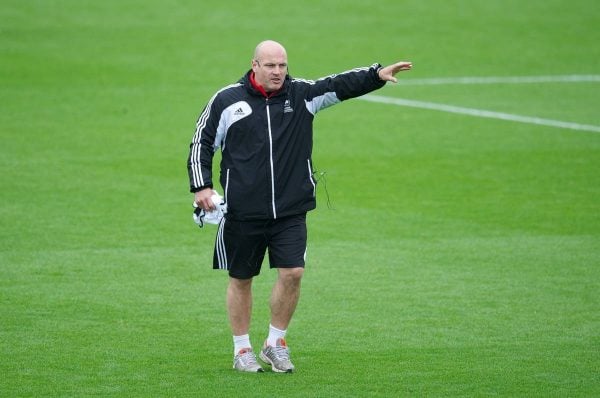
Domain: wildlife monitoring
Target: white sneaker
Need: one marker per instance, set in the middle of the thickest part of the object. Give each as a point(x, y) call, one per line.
point(245, 361)
point(278, 357)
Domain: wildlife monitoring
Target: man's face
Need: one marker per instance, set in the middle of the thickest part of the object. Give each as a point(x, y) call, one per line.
point(270, 69)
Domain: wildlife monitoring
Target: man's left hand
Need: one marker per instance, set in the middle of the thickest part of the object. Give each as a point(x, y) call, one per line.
point(387, 73)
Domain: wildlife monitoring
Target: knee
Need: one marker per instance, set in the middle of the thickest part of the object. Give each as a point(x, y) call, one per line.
point(291, 276)
point(240, 284)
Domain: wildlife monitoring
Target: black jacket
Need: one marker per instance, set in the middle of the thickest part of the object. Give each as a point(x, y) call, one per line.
point(266, 143)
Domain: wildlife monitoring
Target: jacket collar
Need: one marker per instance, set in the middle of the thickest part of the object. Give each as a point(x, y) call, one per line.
point(256, 89)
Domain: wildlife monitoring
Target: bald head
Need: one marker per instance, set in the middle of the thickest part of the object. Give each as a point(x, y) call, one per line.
point(270, 65)
point(267, 48)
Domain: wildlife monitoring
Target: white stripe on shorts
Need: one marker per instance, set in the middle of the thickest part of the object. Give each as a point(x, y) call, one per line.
point(220, 247)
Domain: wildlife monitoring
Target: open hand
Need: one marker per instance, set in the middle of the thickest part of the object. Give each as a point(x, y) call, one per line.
point(387, 73)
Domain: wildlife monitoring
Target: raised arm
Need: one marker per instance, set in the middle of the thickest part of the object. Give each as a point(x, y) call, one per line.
point(350, 84)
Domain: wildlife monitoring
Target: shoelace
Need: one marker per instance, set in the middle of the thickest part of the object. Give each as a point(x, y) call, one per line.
point(248, 358)
point(281, 353)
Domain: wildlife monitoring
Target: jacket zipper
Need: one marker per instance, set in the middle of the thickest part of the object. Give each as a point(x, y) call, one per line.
point(271, 160)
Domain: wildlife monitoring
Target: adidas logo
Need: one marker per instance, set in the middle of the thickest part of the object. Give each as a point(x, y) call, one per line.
point(286, 107)
point(239, 112)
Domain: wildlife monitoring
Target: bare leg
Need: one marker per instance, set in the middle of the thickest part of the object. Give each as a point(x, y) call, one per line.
point(285, 295)
point(239, 305)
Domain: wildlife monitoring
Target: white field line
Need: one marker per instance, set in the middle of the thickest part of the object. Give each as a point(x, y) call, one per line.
point(500, 80)
point(480, 113)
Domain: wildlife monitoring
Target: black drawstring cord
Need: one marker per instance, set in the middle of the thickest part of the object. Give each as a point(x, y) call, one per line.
point(320, 176)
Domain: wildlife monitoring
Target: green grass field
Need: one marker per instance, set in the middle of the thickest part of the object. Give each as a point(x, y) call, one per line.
point(461, 256)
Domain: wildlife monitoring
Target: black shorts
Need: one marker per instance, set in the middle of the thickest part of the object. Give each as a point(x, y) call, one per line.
point(240, 246)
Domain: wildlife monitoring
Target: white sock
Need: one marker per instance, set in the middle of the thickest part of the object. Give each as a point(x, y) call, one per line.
point(241, 342)
point(274, 335)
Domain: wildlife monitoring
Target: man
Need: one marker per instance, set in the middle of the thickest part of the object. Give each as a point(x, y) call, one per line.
point(263, 125)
